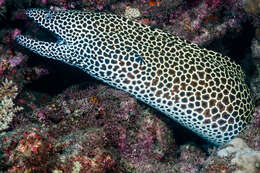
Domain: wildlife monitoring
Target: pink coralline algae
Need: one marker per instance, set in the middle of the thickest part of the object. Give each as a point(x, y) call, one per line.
point(16, 60)
point(59, 4)
point(86, 122)
point(9, 60)
point(20, 147)
point(34, 149)
point(197, 21)
point(44, 1)
point(1, 2)
point(191, 159)
point(204, 23)
point(13, 65)
point(80, 129)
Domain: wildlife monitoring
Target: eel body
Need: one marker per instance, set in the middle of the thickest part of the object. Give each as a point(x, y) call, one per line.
point(200, 89)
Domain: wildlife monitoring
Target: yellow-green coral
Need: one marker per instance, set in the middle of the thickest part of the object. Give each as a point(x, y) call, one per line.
point(8, 92)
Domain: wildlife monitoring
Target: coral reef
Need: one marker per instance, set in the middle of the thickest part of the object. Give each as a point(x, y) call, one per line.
point(236, 157)
point(97, 129)
point(51, 155)
point(244, 157)
point(190, 160)
point(8, 92)
point(89, 129)
point(205, 23)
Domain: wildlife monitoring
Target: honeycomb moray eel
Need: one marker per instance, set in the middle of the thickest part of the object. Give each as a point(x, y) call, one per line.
point(200, 89)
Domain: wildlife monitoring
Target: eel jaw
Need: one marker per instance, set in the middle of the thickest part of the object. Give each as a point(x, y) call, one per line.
point(45, 19)
point(43, 48)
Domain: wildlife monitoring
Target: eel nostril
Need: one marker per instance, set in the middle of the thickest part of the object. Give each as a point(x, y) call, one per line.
point(48, 17)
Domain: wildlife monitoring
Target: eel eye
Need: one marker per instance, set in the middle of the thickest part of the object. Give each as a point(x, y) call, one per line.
point(48, 17)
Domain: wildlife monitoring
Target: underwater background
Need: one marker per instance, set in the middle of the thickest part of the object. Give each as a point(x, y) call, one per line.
point(55, 118)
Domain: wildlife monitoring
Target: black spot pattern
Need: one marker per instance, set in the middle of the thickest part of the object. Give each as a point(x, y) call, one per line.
point(201, 89)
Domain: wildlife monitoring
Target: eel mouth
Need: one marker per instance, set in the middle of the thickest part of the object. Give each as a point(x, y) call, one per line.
point(43, 19)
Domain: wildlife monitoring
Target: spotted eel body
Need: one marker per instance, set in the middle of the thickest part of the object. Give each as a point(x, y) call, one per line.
point(201, 89)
